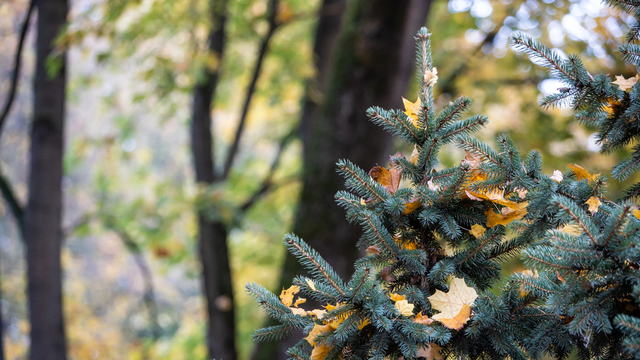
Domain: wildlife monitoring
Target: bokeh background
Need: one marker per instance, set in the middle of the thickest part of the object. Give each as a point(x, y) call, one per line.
point(132, 280)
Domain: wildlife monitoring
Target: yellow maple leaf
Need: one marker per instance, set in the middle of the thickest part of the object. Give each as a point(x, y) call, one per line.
point(317, 313)
point(317, 331)
point(581, 173)
point(412, 110)
point(455, 305)
point(389, 178)
point(397, 297)
point(625, 84)
point(636, 213)
point(319, 352)
point(508, 214)
point(457, 322)
point(593, 203)
point(430, 351)
point(477, 230)
point(286, 296)
point(404, 307)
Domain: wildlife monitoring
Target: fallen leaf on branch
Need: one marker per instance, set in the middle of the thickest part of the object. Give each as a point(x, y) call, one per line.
point(593, 203)
point(412, 110)
point(455, 305)
point(582, 173)
point(557, 176)
point(421, 319)
point(430, 352)
point(404, 307)
point(477, 230)
point(286, 296)
point(506, 215)
point(389, 178)
point(625, 84)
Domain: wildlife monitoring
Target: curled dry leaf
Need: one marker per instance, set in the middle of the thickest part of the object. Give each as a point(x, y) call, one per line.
point(389, 178)
point(557, 176)
point(373, 250)
point(385, 274)
point(430, 77)
point(432, 186)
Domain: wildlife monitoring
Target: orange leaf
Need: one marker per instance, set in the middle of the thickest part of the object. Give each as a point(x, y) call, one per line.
point(507, 215)
point(423, 319)
point(458, 321)
point(430, 351)
point(412, 206)
point(389, 178)
point(396, 297)
point(581, 173)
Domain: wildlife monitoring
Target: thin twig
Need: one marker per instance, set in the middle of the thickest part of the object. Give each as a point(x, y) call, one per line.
point(16, 67)
point(149, 291)
point(264, 45)
point(267, 183)
point(12, 201)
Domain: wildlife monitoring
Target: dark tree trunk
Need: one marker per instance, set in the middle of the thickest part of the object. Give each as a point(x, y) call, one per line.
point(212, 235)
point(371, 65)
point(43, 214)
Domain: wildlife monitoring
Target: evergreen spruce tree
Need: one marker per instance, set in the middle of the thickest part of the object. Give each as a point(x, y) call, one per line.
point(588, 270)
point(435, 241)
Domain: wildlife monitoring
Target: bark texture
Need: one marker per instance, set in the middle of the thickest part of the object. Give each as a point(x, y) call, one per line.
point(212, 234)
point(43, 214)
point(371, 62)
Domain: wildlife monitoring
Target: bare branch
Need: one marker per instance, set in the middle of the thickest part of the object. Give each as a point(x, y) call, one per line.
point(15, 207)
point(149, 297)
point(264, 45)
point(16, 67)
point(267, 183)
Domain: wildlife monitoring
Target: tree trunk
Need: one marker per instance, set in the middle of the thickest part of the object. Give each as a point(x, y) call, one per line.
point(212, 235)
point(43, 214)
point(371, 65)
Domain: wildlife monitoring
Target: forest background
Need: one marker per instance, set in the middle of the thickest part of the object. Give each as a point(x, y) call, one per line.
point(135, 203)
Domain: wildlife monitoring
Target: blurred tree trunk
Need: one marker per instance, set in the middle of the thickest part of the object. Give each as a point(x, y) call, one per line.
point(212, 234)
point(371, 61)
point(43, 214)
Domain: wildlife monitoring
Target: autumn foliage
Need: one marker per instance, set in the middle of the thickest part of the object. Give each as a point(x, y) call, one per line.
point(430, 285)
